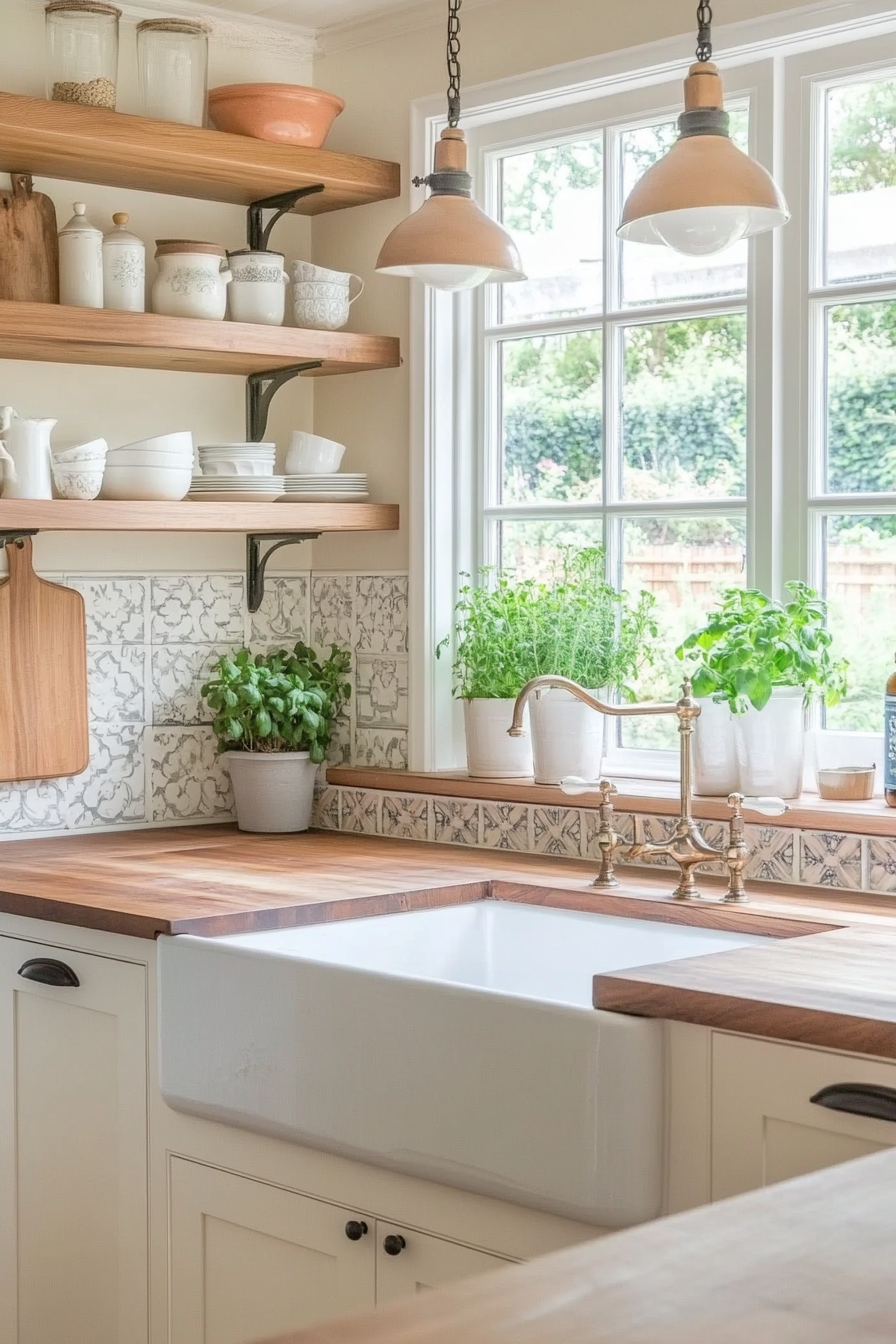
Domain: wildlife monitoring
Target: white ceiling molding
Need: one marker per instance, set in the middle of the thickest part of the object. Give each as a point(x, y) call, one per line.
point(387, 23)
point(245, 32)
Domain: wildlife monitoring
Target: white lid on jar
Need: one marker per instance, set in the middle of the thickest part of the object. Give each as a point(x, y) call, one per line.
point(120, 236)
point(79, 223)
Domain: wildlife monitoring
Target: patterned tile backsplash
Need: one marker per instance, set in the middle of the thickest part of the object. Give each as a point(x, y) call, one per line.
point(151, 642)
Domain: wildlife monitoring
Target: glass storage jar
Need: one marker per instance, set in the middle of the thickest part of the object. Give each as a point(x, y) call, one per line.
point(172, 68)
point(82, 52)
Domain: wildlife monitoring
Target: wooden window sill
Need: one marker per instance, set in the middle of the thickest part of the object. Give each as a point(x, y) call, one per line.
point(649, 796)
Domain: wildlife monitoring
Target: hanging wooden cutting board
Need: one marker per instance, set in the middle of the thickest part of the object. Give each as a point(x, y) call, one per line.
point(29, 246)
point(43, 674)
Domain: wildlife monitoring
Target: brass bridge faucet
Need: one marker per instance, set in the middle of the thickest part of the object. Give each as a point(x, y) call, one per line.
point(686, 844)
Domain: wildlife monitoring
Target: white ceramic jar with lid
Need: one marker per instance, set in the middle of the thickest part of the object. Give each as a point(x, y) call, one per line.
point(82, 52)
point(172, 69)
point(258, 289)
point(81, 261)
point(192, 280)
point(124, 268)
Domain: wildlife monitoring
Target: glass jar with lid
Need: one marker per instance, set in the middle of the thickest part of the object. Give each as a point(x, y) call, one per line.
point(172, 69)
point(82, 52)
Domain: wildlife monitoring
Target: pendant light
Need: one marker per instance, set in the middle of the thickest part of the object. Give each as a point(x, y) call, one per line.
point(449, 242)
point(704, 194)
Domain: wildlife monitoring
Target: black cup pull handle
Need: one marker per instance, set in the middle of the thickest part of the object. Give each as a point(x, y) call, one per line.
point(46, 971)
point(394, 1244)
point(878, 1103)
point(356, 1230)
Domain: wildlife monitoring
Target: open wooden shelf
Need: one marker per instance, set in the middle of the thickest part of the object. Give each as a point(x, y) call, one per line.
point(49, 331)
point(101, 515)
point(86, 144)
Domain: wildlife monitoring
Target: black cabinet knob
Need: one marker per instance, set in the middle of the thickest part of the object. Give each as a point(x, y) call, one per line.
point(46, 971)
point(394, 1244)
point(355, 1230)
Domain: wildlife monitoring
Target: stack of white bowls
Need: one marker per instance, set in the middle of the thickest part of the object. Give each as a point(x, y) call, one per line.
point(78, 471)
point(159, 468)
point(237, 471)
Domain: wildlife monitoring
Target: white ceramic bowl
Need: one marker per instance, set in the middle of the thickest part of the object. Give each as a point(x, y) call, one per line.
point(135, 457)
point(242, 446)
point(312, 453)
point(79, 481)
point(95, 450)
point(128, 482)
point(236, 466)
point(181, 442)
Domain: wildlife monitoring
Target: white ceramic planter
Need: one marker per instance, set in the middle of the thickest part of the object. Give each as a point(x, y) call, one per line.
point(770, 745)
point(715, 755)
point(274, 791)
point(491, 753)
point(568, 738)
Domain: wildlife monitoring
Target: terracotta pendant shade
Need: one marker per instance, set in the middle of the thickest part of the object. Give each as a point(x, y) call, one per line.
point(704, 194)
point(449, 243)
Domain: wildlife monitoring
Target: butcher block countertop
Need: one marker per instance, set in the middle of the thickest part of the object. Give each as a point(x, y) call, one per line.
point(806, 1262)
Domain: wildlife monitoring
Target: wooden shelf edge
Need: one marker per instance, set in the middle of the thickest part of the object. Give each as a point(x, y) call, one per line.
point(116, 149)
point(63, 515)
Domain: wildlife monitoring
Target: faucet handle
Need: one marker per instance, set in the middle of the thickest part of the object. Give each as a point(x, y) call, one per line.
point(766, 807)
point(575, 786)
point(607, 790)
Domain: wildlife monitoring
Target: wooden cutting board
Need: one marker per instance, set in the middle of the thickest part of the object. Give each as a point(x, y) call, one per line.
point(29, 247)
point(43, 674)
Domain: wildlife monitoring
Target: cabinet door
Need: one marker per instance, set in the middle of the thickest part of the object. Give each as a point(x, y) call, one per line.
point(73, 1145)
point(765, 1127)
point(251, 1260)
point(423, 1262)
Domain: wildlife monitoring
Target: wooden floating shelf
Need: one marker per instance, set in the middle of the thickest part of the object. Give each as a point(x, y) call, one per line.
point(48, 331)
point(100, 515)
point(87, 144)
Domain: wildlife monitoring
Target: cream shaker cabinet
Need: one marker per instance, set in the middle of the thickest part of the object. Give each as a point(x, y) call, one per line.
point(73, 1147)
point(769, 1120)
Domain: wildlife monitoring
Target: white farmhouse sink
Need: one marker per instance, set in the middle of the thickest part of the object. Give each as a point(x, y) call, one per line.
point(457, 1044)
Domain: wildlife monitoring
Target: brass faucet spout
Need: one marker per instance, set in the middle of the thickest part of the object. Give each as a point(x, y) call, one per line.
point(516, 728)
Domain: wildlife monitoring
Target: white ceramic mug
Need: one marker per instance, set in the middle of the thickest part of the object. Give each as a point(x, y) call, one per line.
point(190, 283)
point(258, 290)
point(322, 298)
point(312, 453)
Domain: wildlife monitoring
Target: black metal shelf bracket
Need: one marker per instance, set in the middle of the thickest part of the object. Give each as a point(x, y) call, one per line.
point(258, 233)
point(9, 538)
point(256, 560)
point(260, 389)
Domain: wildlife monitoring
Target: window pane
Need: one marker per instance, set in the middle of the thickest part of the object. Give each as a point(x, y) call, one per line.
point(685, 563)
point(552, 203)
point(533, 549)
point(657, 274)
point(861, 181)
point(552, 418)
point(861, 398)
point(860, 586)
point(684, 413)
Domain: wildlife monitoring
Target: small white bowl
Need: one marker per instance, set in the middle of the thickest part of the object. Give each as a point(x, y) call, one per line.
point(180, 442)
point(312, 453)
point(79, 481)
point(136, 457)
point(236, 466)
point(96, 449)
point(160, 483)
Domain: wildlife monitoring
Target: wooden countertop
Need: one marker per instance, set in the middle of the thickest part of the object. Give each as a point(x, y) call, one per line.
point(807, 1262)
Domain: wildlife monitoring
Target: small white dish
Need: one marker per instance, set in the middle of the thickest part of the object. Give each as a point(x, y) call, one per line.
point(237, 466)
point(94, 450)
point(78, 481)
point(136, 457)
point(135, 482)
point(312, 452)
point(325, 497)
point(179, 442)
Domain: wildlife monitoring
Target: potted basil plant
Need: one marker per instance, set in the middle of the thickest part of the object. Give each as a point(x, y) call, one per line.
point(756, 663)
point(274, 716)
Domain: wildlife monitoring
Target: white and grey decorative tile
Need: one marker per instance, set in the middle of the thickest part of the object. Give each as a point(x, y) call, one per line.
point(831, 859)
point(115, 607)
point(179, 671)
point(39, 806)
point(112, 790)
point(455, 821)
point(882, 864)
point(773, 850)
point(339, 751)
point(506, 826)
point(404, 817)
point(283, 615)
point(557, 831)
point(188, 778)
point(381, 748)
point(361, 811)
point(198, 609)
point(332, 611)
point(382, 692)
point(326, 809)
point(116, 679)
point(382, 613)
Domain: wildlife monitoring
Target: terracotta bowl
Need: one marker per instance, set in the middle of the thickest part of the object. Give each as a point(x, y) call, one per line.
point(290, 114)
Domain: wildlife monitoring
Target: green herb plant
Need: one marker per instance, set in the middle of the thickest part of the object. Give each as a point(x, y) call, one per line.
point(752, 644)
point(495, 637)
point(278, 701)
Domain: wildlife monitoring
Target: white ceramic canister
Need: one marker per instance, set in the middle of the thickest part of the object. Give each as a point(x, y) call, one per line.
point(322, 298)
point(192, 280)
point(258, 289)
point(81, 261)
point(124, 269)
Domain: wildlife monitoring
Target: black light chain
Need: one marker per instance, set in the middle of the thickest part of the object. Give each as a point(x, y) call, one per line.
point(704, 31)
point(454, 61)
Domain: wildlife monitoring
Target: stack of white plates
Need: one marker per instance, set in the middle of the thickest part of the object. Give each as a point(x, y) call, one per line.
point(330, 487)
point(236, 489)
point(237, 459)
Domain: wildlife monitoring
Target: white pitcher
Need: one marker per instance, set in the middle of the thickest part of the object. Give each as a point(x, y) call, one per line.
point(26, 457)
